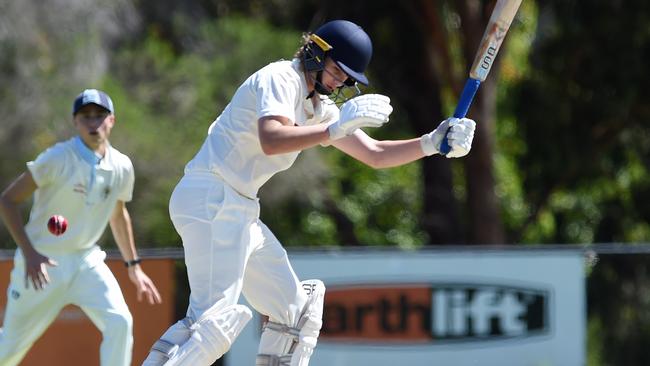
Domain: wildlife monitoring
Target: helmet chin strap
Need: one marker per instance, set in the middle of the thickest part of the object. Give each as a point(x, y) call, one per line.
point(319, 86)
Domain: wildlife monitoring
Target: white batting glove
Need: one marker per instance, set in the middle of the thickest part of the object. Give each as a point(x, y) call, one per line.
point(369, 110)
point(460, 134)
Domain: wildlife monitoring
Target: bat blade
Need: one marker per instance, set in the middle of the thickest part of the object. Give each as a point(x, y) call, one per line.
point(495, 32)
point(500, 20)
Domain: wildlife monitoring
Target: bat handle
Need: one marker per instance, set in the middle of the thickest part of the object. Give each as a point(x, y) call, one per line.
point(471, 86)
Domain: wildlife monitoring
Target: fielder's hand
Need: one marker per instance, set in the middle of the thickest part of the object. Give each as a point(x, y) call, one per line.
point(369, 110)
point(36, 269)
point(144, 285)
point(460, 133)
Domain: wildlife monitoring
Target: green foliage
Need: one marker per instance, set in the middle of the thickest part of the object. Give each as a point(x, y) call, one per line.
point(594, 342)
point(583, 165)
point(349, 204)
point(383, 205)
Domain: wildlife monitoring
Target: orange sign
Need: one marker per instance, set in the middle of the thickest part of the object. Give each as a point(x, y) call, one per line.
point(381, 313)
point(73, 339)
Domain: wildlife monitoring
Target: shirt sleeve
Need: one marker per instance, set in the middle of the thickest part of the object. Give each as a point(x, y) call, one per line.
point(48, 166)
point(276, 95)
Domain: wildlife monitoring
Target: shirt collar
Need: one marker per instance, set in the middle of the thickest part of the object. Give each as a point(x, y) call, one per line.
point(85, 153)
point(89, 156)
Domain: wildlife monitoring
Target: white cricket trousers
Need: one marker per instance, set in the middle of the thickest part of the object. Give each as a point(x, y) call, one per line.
point(229, 251)
point(81, 279)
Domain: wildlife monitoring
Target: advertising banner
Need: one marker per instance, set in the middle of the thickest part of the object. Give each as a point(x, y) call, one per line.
point(472, 307)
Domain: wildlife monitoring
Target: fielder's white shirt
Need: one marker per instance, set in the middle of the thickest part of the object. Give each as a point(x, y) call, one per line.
point(232, 148)
point(66, 186)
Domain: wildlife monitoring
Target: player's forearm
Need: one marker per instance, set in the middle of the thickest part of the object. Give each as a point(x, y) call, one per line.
point(11, 216)
point(10, 200)
point(380, 154)
point(395, 153)
point(122, 230)
point(277, 138)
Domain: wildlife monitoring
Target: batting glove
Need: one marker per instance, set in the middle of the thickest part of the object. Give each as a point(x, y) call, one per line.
point(369, 110)
point(459, 132)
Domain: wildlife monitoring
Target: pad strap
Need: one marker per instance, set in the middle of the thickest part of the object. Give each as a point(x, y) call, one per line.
point(273, 360)
point(282, 328)
point(292, 333)
point(164, 347)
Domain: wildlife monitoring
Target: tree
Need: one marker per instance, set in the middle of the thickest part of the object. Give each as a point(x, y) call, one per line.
point(584, 167)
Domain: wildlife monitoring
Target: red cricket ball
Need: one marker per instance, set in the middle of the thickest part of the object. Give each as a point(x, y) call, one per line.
point(57, 224)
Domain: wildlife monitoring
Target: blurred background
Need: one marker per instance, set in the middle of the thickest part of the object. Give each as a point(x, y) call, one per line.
point(560, 155)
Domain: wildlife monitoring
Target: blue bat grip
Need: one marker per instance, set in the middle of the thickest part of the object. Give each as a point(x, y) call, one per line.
point(471, 86)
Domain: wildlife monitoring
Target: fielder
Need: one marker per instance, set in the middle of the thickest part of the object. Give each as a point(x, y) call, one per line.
point(278, 111)
point(87, 181)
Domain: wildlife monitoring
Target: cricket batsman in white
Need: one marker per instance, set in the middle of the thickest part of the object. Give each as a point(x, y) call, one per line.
point(280, 110)
point(87, 181)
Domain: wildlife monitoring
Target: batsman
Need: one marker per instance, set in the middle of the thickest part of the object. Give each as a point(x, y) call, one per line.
point(280, 110)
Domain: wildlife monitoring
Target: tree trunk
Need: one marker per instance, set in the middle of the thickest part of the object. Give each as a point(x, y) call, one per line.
point(484, 221)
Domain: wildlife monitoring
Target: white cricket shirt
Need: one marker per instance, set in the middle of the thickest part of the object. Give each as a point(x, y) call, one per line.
point(232, 148)
point(66, 186)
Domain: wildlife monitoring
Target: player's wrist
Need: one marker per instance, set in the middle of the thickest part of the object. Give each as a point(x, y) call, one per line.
point(132, 262)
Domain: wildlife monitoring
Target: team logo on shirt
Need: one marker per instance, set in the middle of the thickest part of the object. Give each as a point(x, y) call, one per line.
point(104, 193)
point(79, 188)
point(15, 294)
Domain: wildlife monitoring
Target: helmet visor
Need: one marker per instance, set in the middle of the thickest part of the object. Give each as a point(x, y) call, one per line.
point(356, 76)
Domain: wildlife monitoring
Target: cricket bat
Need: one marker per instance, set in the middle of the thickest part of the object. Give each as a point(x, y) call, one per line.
point(502, 15)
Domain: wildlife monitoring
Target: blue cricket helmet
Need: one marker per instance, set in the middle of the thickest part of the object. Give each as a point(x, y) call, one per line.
point(347, 44)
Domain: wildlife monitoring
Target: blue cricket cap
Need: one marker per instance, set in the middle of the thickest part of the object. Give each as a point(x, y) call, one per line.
point(92, 96)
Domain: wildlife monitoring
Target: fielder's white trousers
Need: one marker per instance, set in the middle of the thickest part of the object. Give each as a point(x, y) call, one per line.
point(81, 279)
point(229, 251)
